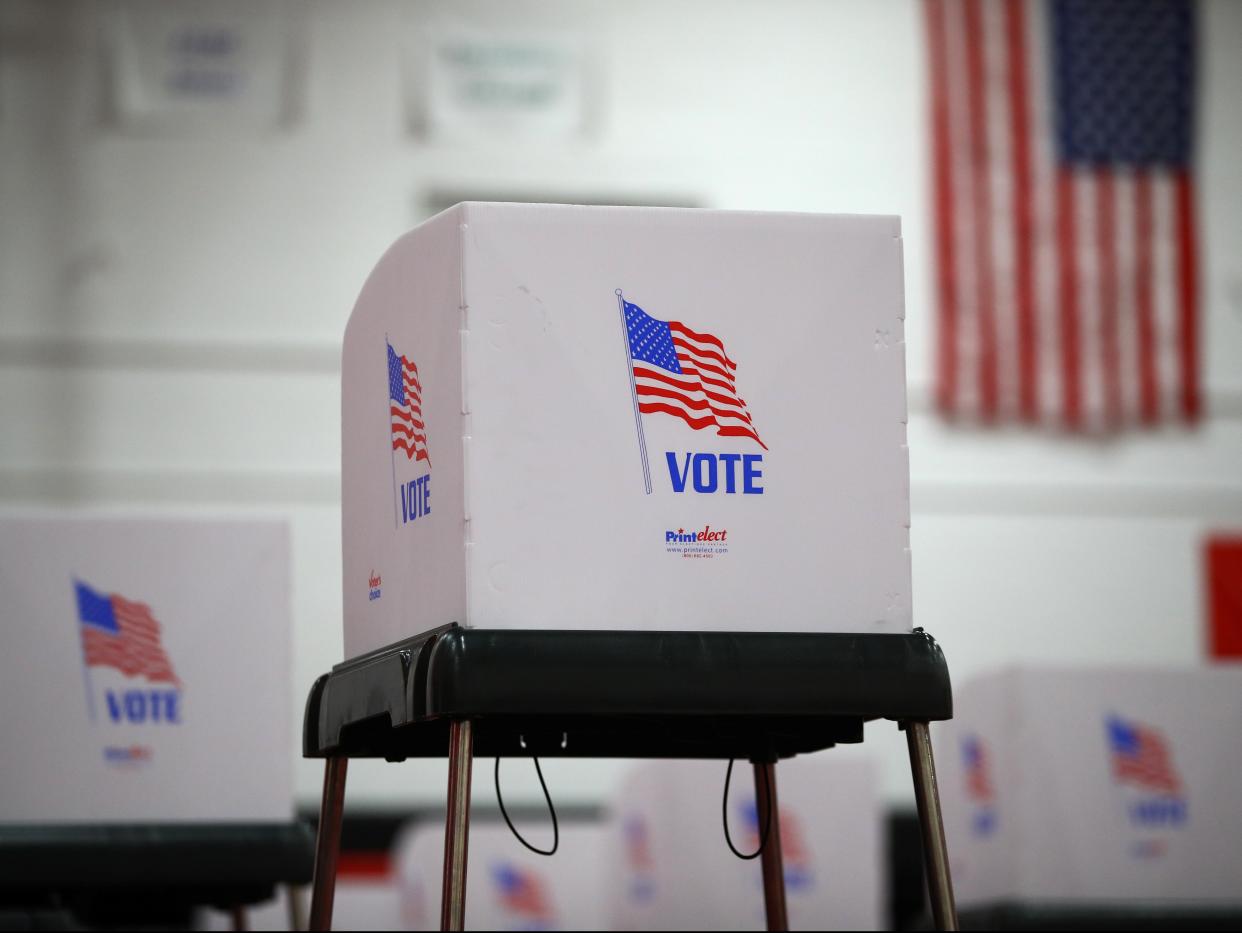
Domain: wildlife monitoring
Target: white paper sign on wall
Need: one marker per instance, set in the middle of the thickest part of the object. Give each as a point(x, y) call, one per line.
point(194, 66)
point(478, 85)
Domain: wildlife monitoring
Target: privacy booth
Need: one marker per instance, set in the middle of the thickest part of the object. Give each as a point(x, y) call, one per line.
point(626, 482)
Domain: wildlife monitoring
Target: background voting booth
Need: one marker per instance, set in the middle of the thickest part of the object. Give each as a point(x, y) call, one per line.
point(1095, 790)
point(668, 867)
point(659, 860)
point(165, 783)
point(626, 482)
point(511, 888)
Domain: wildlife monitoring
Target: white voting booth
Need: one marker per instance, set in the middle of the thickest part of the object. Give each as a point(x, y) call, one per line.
point(608, 470)
point(668, 867)
point(1095, 786)
point(510, 887)
point(144, 675)
point(637, 418)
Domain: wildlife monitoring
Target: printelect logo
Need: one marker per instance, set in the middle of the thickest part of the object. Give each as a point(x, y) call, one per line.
point(697, 544)
point(681, 536)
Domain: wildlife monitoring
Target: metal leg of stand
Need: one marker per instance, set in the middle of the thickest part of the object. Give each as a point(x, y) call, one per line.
point(328, 843)
point(238, 916)
point(457, 826)
point(935, 853)
point(773, 864)
point(297, 910)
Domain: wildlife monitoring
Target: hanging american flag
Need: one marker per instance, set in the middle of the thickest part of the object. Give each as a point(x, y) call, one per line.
point(405, 397)
point(521, 892)
point(1140, 756)
point(1064, 210)
point(686, 374)
point(122, 634)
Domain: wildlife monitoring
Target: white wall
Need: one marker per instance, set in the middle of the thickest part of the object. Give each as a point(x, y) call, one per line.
point(171, 307)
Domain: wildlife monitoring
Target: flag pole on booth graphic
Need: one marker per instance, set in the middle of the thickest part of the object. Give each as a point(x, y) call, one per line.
point(87, 680)
point(392, 451)
point(638, 418)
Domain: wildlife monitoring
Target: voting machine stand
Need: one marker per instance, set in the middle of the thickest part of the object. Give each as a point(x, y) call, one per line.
point(759, 696)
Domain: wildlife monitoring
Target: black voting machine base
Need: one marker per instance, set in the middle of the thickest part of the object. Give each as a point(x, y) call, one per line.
point(153, 875)
point(460, 692)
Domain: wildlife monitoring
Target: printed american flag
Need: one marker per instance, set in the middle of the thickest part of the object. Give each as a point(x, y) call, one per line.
point(521, 891)
point(978, 769)
point(1140, 756)
point(637, 845)
point(793, 847)
point(686, 374)
point(122, 634)
point(405, 397)
point(1065, 210)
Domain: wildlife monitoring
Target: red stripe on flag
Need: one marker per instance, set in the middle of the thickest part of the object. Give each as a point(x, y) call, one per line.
point(728, 387)
point(408, 417)
point(946, 259)
point(730, 401)
point(687, 358)
point(1106, 245)
point(408, 426)
point(1067, 288)
point(120, 652)
point(684, 380)
point(1149, 764)
point(120, 604)
point(739, 431)
point(690, 381)
point(685, 331)
point(685, 394)
point(1023, 210)
point(414, 451)
point(696, 404)
point(704, 353)
point(693, 381)
point(651, 408)
point(1187, 295)
point(1144, 290)
point(981, 196)
point(411, 438)
point(409, 432)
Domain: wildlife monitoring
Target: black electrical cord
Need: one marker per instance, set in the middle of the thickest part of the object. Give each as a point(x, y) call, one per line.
point(767, 815)
point(556, 831)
